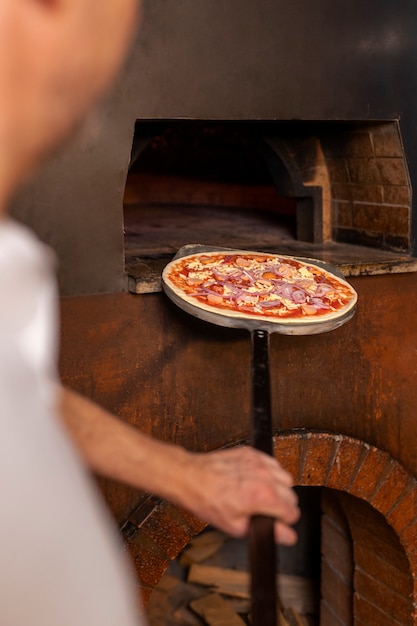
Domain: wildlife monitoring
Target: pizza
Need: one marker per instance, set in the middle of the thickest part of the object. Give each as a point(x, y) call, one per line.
point(259, 286)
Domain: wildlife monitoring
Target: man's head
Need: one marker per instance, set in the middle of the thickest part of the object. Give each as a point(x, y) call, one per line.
point(56, 59)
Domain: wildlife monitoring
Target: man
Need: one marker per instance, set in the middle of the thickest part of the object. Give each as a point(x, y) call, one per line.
point(59, 564)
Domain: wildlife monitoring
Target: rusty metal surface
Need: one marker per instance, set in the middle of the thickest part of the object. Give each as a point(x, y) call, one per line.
point(169, 373)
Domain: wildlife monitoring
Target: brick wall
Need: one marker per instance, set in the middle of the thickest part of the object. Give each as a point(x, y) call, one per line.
point(369, 529)
point(371, 193)
point(362, 173)
point(336, 606)
point(365, 572)
point(382, 582)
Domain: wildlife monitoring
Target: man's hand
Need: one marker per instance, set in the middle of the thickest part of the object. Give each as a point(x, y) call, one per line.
point(227, 487)
point(224, 488)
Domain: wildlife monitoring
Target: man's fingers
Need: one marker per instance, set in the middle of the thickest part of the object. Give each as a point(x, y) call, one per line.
point(281, 504)
point(282, 475)
point(285, 534)
point(231, 486)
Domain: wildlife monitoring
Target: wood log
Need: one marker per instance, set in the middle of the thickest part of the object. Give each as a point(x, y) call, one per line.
point(216, 611)
point(228, 582)
point(202, 547)
point(293, 618)
point(295, 591)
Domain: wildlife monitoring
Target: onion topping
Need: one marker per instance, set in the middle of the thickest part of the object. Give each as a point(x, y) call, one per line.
point(260, 283)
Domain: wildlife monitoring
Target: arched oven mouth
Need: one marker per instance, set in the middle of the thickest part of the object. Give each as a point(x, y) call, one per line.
point(329, 190)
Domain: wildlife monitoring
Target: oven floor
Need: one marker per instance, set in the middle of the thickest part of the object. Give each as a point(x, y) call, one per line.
point(157, 230)
point(163, 213)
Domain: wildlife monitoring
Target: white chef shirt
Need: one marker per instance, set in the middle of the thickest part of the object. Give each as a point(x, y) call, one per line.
point(60, 564)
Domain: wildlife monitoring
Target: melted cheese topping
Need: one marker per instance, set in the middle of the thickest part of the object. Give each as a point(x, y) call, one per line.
point(259, 285)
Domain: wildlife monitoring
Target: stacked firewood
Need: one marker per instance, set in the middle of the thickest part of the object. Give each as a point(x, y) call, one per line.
point(209, 585)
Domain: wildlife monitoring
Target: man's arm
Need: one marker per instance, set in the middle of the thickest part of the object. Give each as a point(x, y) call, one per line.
point(224, 487)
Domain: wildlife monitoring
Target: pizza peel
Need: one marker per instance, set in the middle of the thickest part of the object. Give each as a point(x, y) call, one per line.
point(262, 552)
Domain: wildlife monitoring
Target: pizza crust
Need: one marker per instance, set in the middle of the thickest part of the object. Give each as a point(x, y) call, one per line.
point(179, 285)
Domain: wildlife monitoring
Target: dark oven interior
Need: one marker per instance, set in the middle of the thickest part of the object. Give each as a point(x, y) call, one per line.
point(311, 182)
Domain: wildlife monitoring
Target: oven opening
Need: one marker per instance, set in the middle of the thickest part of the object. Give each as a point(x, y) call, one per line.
point(329, 190)
point(195, 182)
point(215, 563)
point(348, 567)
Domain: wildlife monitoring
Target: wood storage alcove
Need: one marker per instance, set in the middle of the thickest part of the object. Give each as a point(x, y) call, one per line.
point(369, 529)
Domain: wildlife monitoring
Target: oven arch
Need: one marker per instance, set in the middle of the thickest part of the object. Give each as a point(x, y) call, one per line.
point(156, 531)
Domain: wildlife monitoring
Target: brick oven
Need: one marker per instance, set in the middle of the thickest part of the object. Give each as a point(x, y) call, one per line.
point(324, 96)
point(353, 181)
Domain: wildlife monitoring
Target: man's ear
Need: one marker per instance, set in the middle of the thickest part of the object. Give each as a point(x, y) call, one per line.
point(38, 14)
point(50, 4)
point(46, 6)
